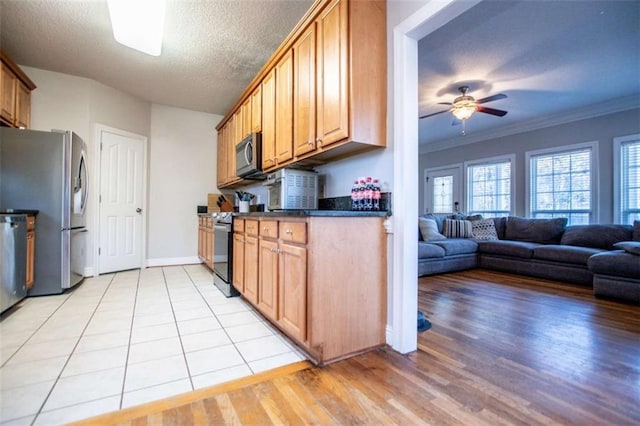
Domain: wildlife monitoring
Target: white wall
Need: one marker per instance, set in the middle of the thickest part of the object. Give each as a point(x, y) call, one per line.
point(602, 129)
point(181, 155)
point(182, 171)
point(67, 102)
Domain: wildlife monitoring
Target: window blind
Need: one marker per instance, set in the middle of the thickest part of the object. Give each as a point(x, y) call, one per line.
point(630, 182)
point(489, 189)
point(561, 186)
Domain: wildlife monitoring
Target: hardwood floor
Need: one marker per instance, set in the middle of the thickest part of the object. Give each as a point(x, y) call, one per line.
point(503, 349)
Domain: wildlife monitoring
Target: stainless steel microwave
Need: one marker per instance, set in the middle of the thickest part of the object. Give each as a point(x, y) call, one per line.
point(292, 189)
point(249, 157)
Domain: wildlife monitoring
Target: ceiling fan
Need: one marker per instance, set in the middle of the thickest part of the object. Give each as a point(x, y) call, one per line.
point(464, 106)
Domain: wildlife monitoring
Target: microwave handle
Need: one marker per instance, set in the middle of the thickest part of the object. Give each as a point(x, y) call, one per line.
point(247, 147)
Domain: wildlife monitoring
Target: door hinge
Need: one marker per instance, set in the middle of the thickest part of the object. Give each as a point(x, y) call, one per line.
point(99, 251)
point(100, 198)
point(100, 146)
point(427, 179)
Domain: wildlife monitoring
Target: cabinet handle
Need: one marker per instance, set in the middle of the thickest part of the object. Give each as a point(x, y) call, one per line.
point(318, 140)
point(309, 143)
point(288, 232)
point(265, 229)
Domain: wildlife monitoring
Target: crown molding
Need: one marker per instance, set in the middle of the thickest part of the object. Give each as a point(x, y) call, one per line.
point(590, 111)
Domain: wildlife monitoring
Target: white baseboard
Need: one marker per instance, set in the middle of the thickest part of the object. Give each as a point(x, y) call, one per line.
point(389, 333)
point(172, 261)
point(88, 271)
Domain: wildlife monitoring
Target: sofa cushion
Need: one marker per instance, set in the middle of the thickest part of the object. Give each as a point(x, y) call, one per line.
point(484, 229)
point(501, 226)
point(544, 231)
point(596, 236)
point(616, 263)
point(429, 230)
point(429, 251)
point(632, 247)
point(520, 249)
point(457, 246)
point(636, 230)
point(452, 228)
point(565, 254)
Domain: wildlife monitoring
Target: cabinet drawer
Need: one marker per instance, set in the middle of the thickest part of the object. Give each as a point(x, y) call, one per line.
point(269, 228)
point(201, 220)
point(209, 223)
point(238, 225)
point(251, 227)
point(295, 232)
point(31, 223)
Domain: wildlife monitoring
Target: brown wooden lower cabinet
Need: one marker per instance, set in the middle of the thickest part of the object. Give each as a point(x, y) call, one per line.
point(320, 280)
point(31, 250)
point(205, 240)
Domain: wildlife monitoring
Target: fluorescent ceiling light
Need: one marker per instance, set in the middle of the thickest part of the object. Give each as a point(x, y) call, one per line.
point(138, 24)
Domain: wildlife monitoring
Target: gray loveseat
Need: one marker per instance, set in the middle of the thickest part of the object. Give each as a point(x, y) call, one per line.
point(544, 248)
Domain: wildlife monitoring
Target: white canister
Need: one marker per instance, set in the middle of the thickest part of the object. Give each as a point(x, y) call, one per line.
point(243, 207)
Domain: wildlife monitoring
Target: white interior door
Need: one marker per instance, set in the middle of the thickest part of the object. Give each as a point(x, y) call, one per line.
point(443, 190)
point(121, 201)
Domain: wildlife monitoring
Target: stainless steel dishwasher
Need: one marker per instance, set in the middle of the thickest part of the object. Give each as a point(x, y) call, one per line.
point(13, 259)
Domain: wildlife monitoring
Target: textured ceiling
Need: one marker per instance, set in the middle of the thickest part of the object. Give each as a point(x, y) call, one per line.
point(548, 57)
point(211, 49)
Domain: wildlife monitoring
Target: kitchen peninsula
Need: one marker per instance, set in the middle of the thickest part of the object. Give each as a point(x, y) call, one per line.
point(318, 275)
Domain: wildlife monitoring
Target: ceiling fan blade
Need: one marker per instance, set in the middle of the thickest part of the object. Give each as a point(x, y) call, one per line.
point(445, 103)
point(435, 113)
point(456, 122)
point(498, 112)
point(491, 98)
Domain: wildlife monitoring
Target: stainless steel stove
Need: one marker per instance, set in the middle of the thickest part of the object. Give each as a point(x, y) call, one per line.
point(223, 253)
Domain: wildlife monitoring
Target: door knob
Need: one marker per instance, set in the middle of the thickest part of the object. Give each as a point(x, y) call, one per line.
point(138, 210)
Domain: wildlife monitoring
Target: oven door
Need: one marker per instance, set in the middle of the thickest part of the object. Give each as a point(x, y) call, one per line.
point(222, 260)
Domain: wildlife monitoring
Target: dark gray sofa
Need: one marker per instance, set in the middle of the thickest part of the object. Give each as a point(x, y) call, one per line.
point(546, 248)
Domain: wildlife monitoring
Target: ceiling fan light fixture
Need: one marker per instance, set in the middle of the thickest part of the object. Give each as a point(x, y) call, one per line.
point(138, 24)
point(463, 110)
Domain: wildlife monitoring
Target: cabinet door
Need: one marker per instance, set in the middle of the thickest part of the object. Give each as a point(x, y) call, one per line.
point(269, 120)
point(246, 118)
point(238, 262)
point(304, 92)
point(268, 284)
point(231, 150)
point(292, 289)
point(31, 247)
point(251, 269)
point(333, 102)
point(256, 110)
point(209, 244)
point(8, 82)
point(222, 156)
point(201, 238)
point(284, 109)
point(23, 106)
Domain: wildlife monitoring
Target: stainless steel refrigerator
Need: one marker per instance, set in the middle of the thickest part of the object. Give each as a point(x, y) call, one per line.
point(47, 171)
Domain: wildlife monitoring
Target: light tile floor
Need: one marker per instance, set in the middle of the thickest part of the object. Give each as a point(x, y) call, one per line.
point(124, 339)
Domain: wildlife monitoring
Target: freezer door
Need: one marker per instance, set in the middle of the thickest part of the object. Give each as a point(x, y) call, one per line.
point(78, 256)
point(78, 182)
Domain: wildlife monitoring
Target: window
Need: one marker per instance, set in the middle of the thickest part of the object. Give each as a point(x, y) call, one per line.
point(490, 187)
point(562, 183)
point(442, 194)
point(627, 178)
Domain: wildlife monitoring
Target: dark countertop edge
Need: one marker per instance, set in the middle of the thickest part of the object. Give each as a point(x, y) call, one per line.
point(20, 211)
point(314, 213)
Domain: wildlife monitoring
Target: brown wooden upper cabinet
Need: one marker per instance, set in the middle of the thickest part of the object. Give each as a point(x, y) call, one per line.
point(15, 94)
point(324, 90)
point(256, 110)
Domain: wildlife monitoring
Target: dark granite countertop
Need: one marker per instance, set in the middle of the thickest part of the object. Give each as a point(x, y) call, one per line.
point(314, 213)
point(20, 211)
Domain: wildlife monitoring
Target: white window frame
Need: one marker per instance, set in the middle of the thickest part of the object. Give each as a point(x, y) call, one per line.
point(593, 146)
point(617, 173)
point(511, 158)
point(459, 185)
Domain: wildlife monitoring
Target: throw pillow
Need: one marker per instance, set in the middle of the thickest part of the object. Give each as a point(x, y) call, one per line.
point(543, 231)
point(457, 228)
point(429, 230)
point(474, 217)
point(636, 230)
point(484, 229)
point(632, 247)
